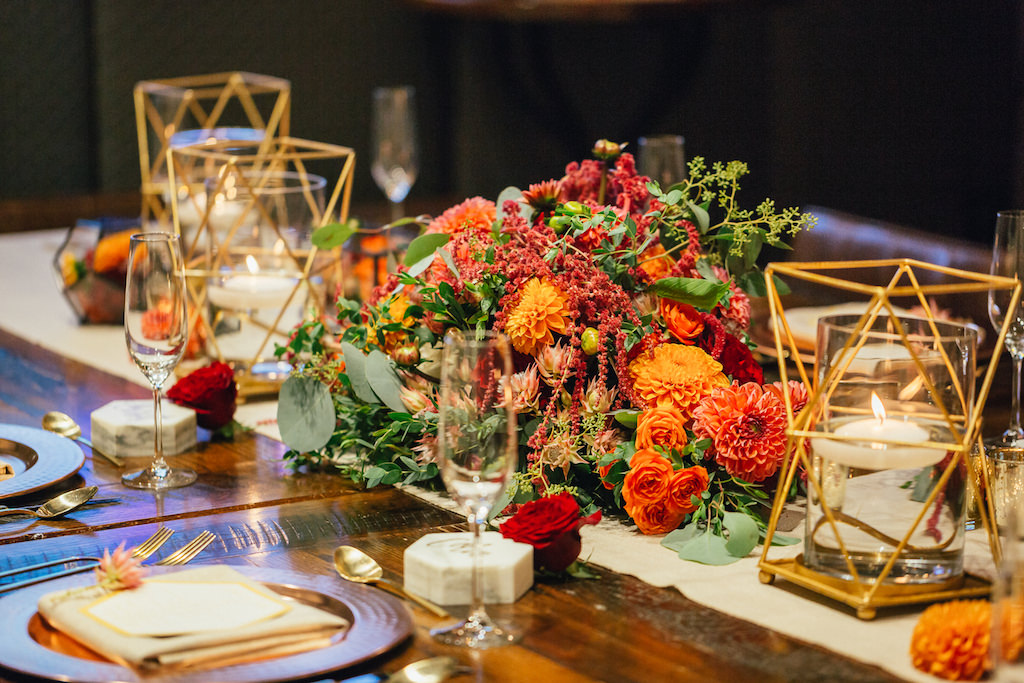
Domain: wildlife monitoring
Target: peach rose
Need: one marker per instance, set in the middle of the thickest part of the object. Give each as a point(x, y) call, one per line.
point(647, 480)
point(682, 320)
point(685, 483)
point(656, 518)
point(662, 426)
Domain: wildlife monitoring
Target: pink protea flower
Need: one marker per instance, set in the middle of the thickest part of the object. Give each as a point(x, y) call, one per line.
point(416, 401)
point(526, 390)
point(553, 362)
point(119, 570)
point(605, 441)
point(748, 427)
point(598, 398)
point(426, 449)
point(560, 452)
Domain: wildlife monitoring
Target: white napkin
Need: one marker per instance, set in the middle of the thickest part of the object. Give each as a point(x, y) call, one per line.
point(248, 621)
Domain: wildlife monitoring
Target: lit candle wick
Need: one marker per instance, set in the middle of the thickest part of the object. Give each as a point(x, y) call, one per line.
point(877, 407)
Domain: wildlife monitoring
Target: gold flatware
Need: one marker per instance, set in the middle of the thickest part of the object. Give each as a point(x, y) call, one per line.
point(143, 551)
point(355, 565)
point(187, 552)
point(431, 670)
point(65, 425)
point(57, 506)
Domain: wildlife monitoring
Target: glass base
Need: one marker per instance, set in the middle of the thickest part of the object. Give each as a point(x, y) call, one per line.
point(151, 479)
point(477, 632)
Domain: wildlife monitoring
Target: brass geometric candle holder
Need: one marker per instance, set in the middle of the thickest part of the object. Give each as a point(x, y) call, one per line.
point(181, 111)
point(252, 270)
point(884, 439)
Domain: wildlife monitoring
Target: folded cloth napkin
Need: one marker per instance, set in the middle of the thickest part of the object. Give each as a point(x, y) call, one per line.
point(6, 471)
point(207, 615)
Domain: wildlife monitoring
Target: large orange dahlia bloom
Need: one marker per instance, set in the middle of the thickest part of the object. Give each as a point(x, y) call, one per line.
point(673, 375)
point(541, 309)
point(476, 213)
point(747, 424)
point(951, 640)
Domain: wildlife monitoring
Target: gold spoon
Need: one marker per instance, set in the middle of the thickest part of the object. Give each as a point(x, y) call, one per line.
point(430, 670)
point(65, 425)
point(355, 565)
point(58, 506)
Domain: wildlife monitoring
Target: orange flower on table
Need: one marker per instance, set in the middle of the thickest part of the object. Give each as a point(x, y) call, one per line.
point(660, 517)
point(747, 425)
point(656, 262)
point(112, 252)
point(951, 640)
point(661, 426)
point(648, 479)
point(675, 375)
point(682, 320)
point(686, 483)
point(476, 213)
point(541, 310)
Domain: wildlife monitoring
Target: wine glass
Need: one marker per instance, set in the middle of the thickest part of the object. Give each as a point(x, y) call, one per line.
point(1008, 261)
point(156, 330)
point(477, 446)
point(395, 157)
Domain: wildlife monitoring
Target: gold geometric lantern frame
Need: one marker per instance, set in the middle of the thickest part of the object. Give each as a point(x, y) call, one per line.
point(206, 251)
point(867, 594)
point(207, 102)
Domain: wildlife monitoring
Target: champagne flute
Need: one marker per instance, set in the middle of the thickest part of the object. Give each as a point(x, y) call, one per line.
point(156, 330)
point(1008, 261)
point(476, 440)
point(395, 157)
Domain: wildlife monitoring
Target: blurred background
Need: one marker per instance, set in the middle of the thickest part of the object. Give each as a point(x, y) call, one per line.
point(909, 111)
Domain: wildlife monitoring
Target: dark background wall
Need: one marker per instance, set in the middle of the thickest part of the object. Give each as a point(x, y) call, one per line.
point(906, 111)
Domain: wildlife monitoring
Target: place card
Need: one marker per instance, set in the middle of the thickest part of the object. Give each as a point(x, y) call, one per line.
point(168, 608)
point(439, 567)
point(126, 428)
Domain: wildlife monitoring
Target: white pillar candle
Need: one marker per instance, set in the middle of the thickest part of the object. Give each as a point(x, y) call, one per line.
point(245, 291)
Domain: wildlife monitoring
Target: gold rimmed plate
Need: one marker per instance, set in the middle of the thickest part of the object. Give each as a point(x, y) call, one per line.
point(379, 623)
point(38, 458)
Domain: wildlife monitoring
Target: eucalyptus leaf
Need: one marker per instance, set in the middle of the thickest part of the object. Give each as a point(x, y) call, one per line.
point(697, 292)
point(381, 375)
point(743, 533)
point(701, 216)
point(783, 540)
point(423, 247)
point(706, 548)
point(334, 234)
point(675, 540)
point(355, 370)
point(305, 413)
point(449, 261)
point(627, 418)
point(516, 195)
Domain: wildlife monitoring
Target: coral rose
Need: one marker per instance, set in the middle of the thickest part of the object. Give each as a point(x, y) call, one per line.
point(552, 526)
point(656, 518)
point(686, 483)
point(682, 320)
point(663, 427)
point(648, 478)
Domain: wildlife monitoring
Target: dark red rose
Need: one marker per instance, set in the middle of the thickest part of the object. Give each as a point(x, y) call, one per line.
point(736, 357)
point(552, 526)
point(211, 392)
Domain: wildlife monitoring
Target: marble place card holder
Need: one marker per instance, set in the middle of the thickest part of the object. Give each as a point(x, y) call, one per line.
point(439, 567)
point(125, 428)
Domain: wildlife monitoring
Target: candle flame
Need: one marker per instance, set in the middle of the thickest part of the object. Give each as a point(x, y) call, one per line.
point(251, 264)
point(877, 407)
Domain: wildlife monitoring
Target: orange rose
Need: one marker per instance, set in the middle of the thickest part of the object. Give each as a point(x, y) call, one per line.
point(685, 483)
point(662, 426)
point(656, 518)
point(682, 320)
point(647, 480)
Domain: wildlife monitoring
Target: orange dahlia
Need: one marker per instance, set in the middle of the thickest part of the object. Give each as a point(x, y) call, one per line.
point(656, 262)
point(748, 427)
point(951, 640)
point(676, 376)
point(476, 213)
point(541, 310)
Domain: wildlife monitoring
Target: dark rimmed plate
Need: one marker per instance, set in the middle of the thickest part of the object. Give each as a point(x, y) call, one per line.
point(39, 459)
point(379, 623)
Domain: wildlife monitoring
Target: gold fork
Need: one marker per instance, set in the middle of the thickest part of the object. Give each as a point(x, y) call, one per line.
point(188, 551)
point(144, 550)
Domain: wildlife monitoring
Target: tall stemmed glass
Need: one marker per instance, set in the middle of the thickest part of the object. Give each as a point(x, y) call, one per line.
point(1008, 261)
point(477, 447)
point(395, 156)
point(156, 329)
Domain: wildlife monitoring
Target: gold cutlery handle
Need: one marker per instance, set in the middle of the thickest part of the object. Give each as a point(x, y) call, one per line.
point(422, 602)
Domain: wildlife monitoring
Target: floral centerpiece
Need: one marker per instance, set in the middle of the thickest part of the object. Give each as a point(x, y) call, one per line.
point(627, 305)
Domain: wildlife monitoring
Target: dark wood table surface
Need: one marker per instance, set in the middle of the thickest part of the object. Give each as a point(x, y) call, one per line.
point(614, 628)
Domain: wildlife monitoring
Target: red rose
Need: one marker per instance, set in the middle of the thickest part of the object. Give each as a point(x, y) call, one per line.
point(211, 392)
point(552, 526)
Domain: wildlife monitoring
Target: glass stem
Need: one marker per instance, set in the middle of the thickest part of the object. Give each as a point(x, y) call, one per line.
point(397, 211)
point(159, 466)
point(476, 608)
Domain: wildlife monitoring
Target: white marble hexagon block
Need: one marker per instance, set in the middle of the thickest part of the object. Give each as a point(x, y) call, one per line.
point(126, 428)
point(439, 567)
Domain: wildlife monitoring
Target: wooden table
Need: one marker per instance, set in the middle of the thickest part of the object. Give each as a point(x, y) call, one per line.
point(614, 628)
